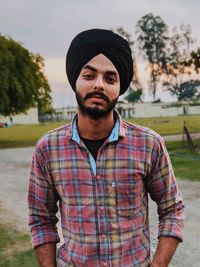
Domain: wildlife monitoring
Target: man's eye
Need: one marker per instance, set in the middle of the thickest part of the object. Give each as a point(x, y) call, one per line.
point(110, 79)
point(88, 76)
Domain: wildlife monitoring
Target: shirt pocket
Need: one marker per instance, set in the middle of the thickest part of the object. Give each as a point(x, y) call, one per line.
point(128, 198)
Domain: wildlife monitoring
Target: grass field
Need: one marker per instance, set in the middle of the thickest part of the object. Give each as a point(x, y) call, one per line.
point(24, 135)
point(15, 249)
point(27, 135)
point(185, 162)
point(170, 125)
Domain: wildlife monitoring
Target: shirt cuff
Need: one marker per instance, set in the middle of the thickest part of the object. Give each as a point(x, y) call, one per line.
point(172, 230)
point(44, 237)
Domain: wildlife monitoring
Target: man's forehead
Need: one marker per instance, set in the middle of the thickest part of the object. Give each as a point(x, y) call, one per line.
point(101, 62)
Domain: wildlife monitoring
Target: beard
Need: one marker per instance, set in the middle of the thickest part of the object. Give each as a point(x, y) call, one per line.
point(95, 112)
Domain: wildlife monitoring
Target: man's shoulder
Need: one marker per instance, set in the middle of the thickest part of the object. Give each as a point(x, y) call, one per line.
point(61, 131)
point(55, 137)
point(136, 130)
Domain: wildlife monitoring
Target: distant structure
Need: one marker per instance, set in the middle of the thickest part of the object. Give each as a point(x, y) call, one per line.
point(138, 110)
point(31, 117)
point(65, 113)
point(126, 110)
point(145, 110)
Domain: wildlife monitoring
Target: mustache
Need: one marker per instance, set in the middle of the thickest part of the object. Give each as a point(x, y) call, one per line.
point(99, 94)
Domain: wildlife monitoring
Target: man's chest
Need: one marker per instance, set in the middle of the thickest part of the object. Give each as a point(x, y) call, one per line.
point(117, 184)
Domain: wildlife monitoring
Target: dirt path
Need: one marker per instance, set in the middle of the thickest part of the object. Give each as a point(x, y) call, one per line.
point(14, 169)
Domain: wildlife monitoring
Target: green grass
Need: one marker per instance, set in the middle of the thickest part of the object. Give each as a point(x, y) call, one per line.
point(15, 249)
point(170, 125)
point(27, 135)
point(24, 135)
point(185, 162)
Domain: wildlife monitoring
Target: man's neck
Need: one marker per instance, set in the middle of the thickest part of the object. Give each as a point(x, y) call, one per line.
point(95, 129)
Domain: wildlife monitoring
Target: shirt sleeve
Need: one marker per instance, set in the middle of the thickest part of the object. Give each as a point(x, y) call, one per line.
point(42, 202)
point(164, 191)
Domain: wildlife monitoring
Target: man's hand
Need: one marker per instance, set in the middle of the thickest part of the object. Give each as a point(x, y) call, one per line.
point(46, 255)
point(165, 251)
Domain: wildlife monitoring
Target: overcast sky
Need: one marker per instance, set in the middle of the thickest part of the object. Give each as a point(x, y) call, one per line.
point(48, 26)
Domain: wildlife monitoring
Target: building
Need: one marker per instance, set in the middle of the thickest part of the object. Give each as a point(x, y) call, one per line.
point(138, 110)
point(144, 110)
point(65, 113)
point(30, 117)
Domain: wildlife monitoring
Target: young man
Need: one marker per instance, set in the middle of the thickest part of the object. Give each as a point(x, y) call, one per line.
point(101, 169)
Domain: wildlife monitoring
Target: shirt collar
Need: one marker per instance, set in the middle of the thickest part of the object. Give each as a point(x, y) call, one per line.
point(117, 131)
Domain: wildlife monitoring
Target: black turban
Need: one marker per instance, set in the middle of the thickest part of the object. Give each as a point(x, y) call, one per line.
point(89, 44)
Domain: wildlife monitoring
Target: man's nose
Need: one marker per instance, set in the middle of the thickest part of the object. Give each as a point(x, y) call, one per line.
point(99, 84)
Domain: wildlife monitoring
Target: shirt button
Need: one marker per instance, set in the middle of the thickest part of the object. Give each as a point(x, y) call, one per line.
point(103, 236)
point(105, 264)
point(98, 177)
point(114, 184)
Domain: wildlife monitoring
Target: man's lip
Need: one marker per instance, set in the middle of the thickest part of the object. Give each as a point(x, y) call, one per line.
point(97, 99)
point(97, 96)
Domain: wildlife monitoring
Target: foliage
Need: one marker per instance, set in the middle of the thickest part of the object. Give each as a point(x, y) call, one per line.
point(15, 248)
point(181, 41)
point(152, 37)
point(194, 60)
point(195, 102)
point(22, 82)
point(179, 65)
point(169, 57)
point(186, 90)
point(184, 161)
point(134, 95)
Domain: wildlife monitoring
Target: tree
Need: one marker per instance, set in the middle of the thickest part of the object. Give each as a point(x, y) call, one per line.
point(134, 92)
point(152, 37)
point(187, 90)
point(134, 95)
point(22, 82)
point(194, 60)
point(179, 63)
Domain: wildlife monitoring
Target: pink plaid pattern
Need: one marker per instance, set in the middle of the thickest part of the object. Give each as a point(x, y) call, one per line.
point(104, 213)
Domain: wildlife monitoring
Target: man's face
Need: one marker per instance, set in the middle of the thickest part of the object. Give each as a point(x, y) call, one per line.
point(97, 87)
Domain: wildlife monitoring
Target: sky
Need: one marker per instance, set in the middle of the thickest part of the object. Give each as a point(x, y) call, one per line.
point(48, 26)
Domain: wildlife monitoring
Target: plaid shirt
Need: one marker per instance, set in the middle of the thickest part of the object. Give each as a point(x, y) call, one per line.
point(103, 204)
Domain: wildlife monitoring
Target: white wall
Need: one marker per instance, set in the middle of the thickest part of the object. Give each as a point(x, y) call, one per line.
point(144, 110)
point(140, 110)
point(30, 118)
point(195, 110)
